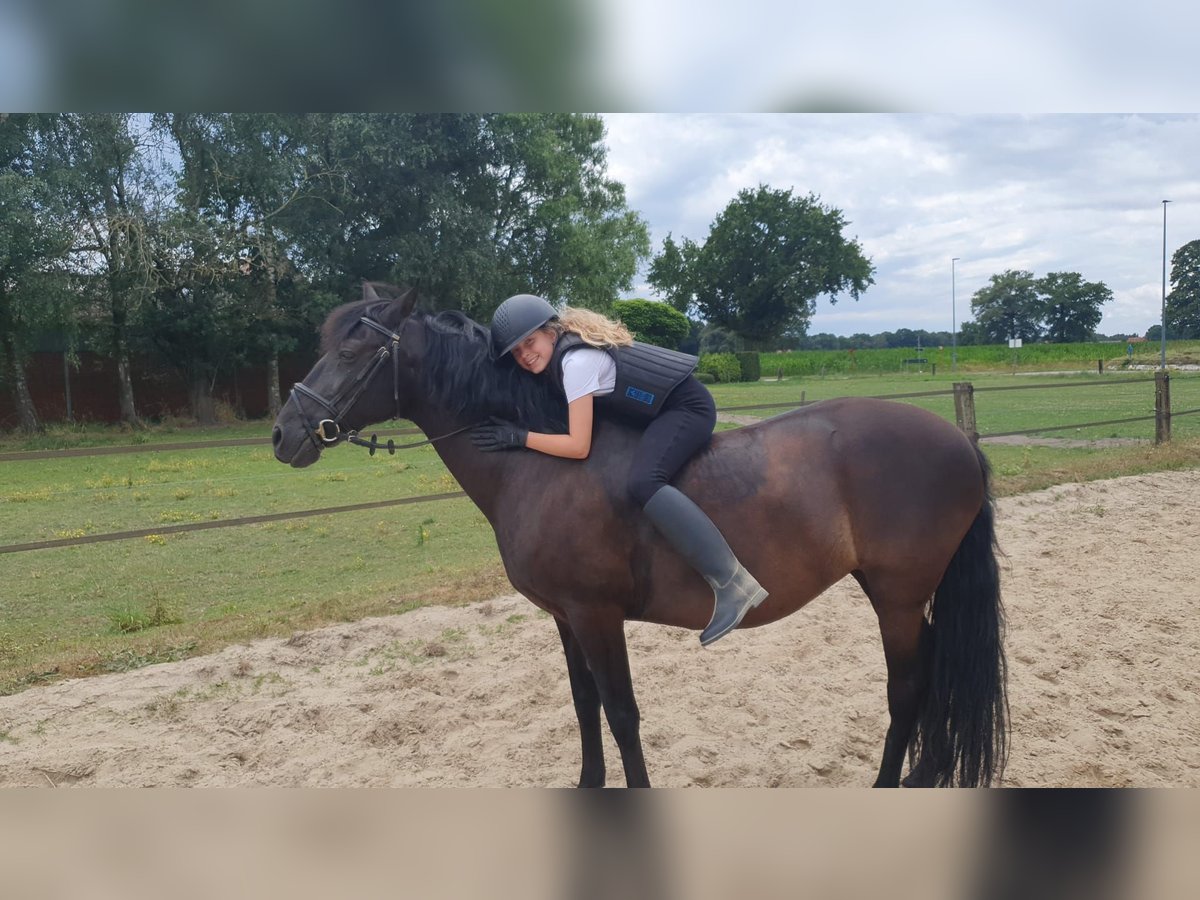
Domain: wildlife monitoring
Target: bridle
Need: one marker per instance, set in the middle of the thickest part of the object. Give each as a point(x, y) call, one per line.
point(329, 431)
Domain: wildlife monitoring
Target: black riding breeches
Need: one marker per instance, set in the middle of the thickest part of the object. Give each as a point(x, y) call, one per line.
point(684, 426)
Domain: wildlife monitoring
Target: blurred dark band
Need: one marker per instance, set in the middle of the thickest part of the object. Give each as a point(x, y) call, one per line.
point(581, 845)
point(469, 55)
point(593, 55)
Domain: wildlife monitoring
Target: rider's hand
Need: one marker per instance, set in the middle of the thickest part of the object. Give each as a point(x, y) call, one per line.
point(499, 435)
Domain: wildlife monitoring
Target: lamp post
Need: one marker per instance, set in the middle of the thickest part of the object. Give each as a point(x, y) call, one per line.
point(953, 321)
point(1162, 361)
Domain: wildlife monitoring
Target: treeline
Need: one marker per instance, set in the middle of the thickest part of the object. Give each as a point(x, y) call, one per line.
point(908, 338)
point(203, 242)
point(971, 358)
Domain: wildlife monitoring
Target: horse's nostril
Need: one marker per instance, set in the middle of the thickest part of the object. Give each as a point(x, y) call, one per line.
point(276, 437)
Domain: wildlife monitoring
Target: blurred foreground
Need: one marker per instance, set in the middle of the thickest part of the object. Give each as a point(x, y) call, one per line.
point(561, 844)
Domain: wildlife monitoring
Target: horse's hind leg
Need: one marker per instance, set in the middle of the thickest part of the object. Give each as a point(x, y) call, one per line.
point(587, 708)
point(901, 613)
point(601, 635)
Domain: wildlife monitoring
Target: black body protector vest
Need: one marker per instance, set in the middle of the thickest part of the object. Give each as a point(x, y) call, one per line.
point(645, 375)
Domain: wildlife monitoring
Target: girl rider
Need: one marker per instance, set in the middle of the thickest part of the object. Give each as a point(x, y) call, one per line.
point(595, 362)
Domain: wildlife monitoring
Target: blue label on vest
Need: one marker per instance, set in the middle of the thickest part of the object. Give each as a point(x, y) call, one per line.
point(639, 395)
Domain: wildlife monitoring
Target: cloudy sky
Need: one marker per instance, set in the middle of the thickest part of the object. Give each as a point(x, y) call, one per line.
point(1047, 193)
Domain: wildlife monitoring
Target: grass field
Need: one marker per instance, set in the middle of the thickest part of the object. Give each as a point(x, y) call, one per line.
point(103, 607)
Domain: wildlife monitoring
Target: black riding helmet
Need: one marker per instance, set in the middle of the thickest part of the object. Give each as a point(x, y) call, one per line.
point(516, 319)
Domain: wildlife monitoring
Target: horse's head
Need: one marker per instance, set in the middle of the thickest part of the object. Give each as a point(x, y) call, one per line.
point(364, 376)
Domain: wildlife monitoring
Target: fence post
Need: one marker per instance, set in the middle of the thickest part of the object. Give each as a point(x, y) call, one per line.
point(964, 409)
point(1100, 366)
point(1162, 407)
point(67, 387)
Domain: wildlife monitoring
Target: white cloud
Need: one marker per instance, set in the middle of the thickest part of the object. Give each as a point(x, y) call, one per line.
point(1046, 193)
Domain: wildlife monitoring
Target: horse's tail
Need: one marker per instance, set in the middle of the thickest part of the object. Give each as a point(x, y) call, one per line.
point(962, 731)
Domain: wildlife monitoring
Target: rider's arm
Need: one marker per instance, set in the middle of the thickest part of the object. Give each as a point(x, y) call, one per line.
point(575, 445)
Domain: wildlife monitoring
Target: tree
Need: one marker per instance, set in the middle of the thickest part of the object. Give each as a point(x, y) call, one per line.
point(562, 221)
point(671, 274)
point(767, 258)
point(1071, 306)
point(1183, 303)
point(472, 209)
point(1008, 307)
point(106, 182)
point(35, 238)
point(971, 334)
point(243, 175)
point(653, 323)
point(715, 339)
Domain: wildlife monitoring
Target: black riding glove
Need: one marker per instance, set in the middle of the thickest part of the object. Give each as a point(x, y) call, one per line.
point(500, 435)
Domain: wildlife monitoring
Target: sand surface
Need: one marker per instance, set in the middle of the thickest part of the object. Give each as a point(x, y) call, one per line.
point(1103, 648)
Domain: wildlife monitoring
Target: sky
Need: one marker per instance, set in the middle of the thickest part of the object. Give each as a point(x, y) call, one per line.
point(1039, 192)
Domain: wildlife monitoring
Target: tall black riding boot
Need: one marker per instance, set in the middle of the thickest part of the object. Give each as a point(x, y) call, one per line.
point(697, 539)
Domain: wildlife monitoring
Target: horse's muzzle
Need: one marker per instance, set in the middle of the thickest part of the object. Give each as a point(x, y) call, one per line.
point(297, 455)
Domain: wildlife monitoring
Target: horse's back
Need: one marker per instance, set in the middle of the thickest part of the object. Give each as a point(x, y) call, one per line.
point(849, 477)
point(859, 439)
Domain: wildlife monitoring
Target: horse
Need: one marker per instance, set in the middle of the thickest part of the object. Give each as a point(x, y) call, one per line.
point(888, 493)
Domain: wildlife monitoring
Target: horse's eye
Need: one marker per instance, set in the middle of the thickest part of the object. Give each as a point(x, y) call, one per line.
point(346, 354)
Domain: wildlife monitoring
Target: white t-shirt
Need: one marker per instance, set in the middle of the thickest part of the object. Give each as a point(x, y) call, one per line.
point(587, 370)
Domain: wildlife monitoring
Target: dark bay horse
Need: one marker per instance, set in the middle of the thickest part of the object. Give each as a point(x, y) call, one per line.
point(886, 492)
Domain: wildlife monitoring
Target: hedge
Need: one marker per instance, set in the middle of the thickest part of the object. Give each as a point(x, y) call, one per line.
point(724, 367)
point(751, 367)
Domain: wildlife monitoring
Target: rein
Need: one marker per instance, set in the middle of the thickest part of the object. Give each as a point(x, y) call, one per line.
point(328, 432)
point(391, 446)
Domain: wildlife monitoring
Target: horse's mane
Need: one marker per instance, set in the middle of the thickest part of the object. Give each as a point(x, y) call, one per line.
point(460, 375)
point(458, 372)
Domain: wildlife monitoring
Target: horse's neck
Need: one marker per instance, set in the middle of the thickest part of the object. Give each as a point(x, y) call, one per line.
point(479, 474)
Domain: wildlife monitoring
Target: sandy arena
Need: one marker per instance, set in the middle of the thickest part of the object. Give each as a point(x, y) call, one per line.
point(1103, 650)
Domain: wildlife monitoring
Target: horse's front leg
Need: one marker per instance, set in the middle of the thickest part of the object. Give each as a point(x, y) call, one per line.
point(601, 635)
point(587, 708)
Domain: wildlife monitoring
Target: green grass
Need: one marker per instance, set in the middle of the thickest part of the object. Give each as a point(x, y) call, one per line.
point(1106, 397)
point(72, 611)
point(108, 607)
point(48, 499)
point(60, 436)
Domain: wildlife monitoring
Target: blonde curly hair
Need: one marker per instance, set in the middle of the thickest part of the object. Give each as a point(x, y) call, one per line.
point(595, 329)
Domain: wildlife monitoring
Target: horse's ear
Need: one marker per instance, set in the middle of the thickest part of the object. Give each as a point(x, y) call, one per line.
point(407, 302)
point(369, 291)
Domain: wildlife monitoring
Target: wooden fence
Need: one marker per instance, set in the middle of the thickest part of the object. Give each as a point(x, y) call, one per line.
point(86, 391)
point(964, 412)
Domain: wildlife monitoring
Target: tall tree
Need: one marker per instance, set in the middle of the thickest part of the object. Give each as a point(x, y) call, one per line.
point(244, 175)
point(767, 258)
point(197, 318)
point(1183, 303)
point(561, 226)
point(1009, 306)
point(110, 185)
point(672, 271)
point(35, 241)
point(474, 208)
point(1071, 306)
